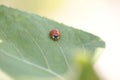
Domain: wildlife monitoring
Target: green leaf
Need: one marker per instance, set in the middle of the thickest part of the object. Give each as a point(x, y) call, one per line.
point(28, 53)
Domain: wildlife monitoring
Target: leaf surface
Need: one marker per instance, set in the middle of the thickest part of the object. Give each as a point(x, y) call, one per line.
point(28, 53)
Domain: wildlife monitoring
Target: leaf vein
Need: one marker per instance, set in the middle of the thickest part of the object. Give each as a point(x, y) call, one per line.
point(65, 58)
point(18, 50)
point(32, 64)
point(43, 54)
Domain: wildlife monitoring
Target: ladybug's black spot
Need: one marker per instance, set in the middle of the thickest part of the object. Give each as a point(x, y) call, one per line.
point(55, 37)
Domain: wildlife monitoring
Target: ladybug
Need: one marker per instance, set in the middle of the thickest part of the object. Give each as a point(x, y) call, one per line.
point(55, 34)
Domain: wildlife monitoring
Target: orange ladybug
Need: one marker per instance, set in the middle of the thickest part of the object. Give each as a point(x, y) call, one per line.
point(55, 34)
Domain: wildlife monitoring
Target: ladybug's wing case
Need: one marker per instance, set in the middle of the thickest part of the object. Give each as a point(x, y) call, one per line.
point(55, 34)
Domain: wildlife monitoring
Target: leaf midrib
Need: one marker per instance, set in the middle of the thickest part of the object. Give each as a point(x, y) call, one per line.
point(32, 64)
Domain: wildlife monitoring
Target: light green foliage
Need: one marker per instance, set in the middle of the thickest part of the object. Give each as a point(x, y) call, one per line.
point(28, 53)
point(84, 67)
